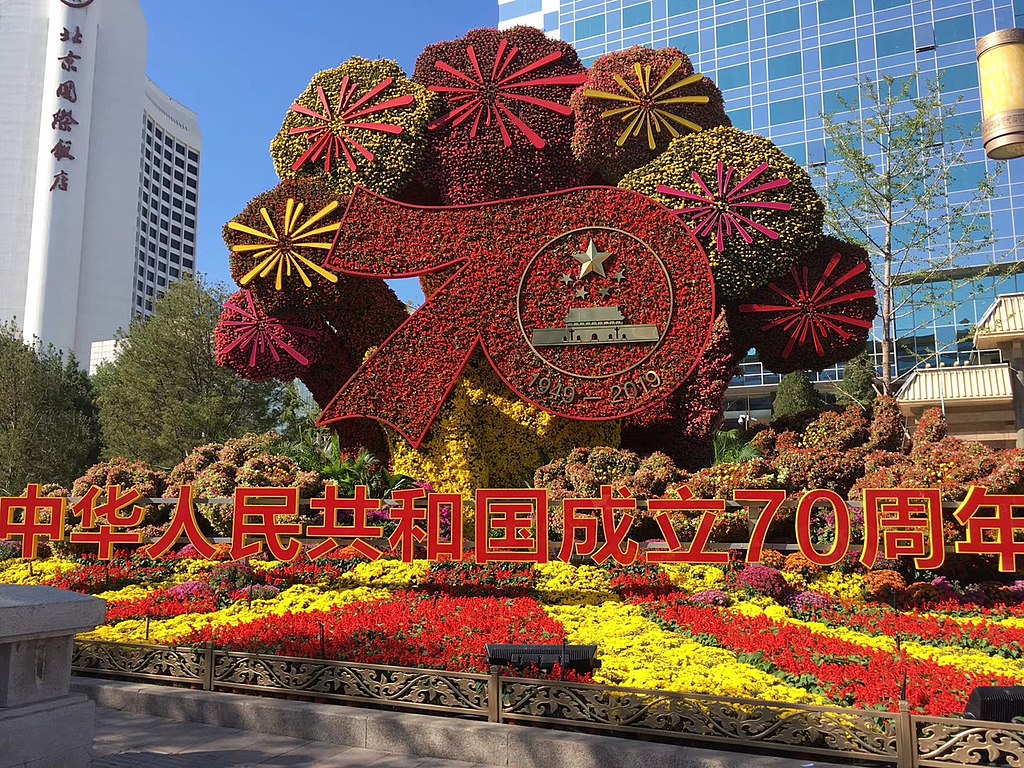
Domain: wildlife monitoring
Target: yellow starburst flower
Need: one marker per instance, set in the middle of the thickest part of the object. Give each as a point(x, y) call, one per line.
point(644, 108)
point(288, 246)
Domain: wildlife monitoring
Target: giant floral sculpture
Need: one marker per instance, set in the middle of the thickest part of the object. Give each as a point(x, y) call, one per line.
point(558, 315)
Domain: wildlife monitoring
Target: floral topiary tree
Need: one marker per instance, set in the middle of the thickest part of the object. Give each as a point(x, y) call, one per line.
point(557, 317)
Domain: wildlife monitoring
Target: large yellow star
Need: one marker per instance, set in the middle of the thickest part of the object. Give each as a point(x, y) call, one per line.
point(591, 261)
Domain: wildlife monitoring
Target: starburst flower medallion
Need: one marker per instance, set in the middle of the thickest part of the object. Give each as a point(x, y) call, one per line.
point(283, 249)
point(261, 335)
point(485, 94)
point(722, 211)
point(647, 109)
point(331, 132)
point(813, 313)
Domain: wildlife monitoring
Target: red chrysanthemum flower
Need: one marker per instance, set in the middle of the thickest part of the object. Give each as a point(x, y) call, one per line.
point(818, 314)
point(506, 125)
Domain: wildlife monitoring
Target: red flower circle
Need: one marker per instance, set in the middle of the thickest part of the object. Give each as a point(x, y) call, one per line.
point(506, 126)
point(818, 314)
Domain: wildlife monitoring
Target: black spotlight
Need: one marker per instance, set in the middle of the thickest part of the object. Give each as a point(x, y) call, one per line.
point(998, 703)
point(579, 658)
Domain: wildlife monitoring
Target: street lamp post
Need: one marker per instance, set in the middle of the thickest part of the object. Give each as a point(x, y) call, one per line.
point(1001, 77)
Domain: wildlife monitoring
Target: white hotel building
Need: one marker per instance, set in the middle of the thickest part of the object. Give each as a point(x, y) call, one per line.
point(99, 173)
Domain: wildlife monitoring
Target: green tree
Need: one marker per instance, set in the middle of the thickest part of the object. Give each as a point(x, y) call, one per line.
point(886, 189)
point(858, 386)
point(298, 415)
point(796, 394)
point(164, 393)
point(49, 431)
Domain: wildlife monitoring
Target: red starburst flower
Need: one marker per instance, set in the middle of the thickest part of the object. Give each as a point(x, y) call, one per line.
point(249, 340)
point(720, 211)
point(484, 95)
point(817, 315)
point(331, 135)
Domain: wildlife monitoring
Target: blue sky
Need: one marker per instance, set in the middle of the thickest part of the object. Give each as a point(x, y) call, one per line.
point(240, 65)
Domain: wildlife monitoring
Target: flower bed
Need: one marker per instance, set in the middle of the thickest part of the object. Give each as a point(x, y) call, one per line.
point(793, 636)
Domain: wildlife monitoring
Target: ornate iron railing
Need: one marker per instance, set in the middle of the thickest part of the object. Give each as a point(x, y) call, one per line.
point(884, 738)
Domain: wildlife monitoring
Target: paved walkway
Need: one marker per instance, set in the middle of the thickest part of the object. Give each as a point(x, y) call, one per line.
point(125, 740)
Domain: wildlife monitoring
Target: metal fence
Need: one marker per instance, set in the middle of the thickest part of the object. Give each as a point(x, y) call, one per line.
point(898, 738)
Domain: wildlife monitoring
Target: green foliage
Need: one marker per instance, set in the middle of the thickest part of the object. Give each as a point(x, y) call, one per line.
point(164, 394)
point(733, 447)
point(48, 425)
point(319, 450)
point(796, 394)
point(858, 387)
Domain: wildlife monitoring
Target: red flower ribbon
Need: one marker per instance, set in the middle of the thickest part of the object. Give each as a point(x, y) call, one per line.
point(488, 249)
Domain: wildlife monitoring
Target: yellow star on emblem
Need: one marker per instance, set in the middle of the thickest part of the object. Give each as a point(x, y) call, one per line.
point(591, 261)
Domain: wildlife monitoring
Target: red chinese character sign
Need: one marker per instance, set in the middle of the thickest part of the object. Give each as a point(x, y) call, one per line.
point(592, 303)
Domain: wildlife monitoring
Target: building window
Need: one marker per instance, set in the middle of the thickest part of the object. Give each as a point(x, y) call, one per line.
point(733, 77)
point(784, 66)
point(954, 30)
point(882, 5)
point(688, 43)
point(782, 21)
point(838, 54)
point(192, 183)
point(961, 78)
point(591, 27)
point(963, 177)
point(834, 10)
point(796, 151)
point(675, 7)
point(174, 272)
point(635, 15)
point(193, 156)
point(741, 119)
point(897, 41)
point(194, 170)
point(731, 34)
point(833, 101)
point(186, 263)
point(786, 111)
point(961, 126)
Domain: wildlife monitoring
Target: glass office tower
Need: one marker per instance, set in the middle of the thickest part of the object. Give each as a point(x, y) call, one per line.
point(781, 64)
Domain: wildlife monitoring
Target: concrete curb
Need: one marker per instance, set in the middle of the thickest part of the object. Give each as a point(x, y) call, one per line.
point(448, 738)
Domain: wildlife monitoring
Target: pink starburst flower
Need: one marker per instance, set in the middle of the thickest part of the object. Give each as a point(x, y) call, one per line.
point(722, 212)
point(259, 346)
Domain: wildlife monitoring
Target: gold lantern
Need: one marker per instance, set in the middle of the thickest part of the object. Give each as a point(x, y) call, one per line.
point(1001, 70)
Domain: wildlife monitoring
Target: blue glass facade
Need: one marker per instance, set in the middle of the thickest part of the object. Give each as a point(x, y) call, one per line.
point(782, 63)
